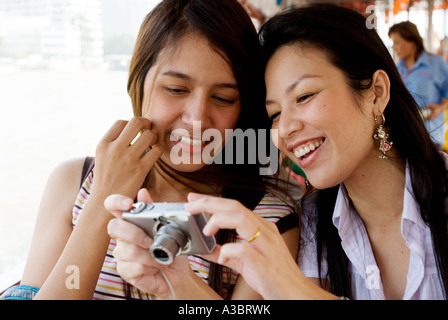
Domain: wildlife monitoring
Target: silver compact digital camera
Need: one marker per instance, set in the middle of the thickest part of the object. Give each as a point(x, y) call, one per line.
point(174, 231)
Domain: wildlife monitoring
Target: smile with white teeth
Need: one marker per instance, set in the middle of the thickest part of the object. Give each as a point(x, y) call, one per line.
point(304, 150)
point(191, 142)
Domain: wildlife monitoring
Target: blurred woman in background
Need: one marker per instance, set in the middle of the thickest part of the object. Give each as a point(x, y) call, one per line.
point(425, 75)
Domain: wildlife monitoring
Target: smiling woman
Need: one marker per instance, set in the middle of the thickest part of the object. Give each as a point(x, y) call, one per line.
point(356, 105)
point(177, 93)
point(309, 103)
point(186, 69)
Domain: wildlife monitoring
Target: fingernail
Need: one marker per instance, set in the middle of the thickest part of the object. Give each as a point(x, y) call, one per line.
point(206, 230)
point(127, 203)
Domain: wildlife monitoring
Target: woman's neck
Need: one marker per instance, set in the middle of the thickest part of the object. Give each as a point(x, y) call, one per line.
point(377, 192)
point(410, 61)
point(166, 185)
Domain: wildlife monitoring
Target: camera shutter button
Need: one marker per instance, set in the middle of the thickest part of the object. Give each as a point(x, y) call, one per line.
point(140, 206)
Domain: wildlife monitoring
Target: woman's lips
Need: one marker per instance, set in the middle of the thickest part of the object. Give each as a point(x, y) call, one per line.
point(190, 145)
point(308, 147)
point(187, 140)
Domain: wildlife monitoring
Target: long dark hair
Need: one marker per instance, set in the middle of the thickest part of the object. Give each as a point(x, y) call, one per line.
point(358, 52)
point(408, 31)
point(229, 30)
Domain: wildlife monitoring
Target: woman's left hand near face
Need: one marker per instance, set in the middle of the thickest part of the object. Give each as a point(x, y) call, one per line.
point(134, 261)
point(121, 160)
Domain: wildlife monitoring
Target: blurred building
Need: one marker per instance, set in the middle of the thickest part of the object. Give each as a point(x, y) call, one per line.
point(61, 33)
point(72, 33)
point(121, 23)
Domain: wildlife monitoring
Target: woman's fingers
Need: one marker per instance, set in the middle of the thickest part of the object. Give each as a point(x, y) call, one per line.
point(145, 278)
point(114, 131)
point(138, 132)
point(141, 276)
point(151, 156)
point(233, 255)
point(146, 139)
point(143, 196)
point(117, 204)
point(125, 231)
point(239, 256)
point(121, 160)
point(226, 214)
point(245, 260)
point(262, 237)
point(132, 271)
point(132, 129)
point(246, 226)
point(126, 251)
point(135, 134)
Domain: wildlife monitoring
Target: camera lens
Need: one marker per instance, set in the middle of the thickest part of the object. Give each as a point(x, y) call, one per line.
point(168, 242)
point(160, 254)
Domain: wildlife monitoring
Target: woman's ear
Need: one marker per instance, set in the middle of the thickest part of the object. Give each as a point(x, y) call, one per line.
point(381, 91)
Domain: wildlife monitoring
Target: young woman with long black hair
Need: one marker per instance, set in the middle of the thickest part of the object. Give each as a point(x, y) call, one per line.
point(374, 223)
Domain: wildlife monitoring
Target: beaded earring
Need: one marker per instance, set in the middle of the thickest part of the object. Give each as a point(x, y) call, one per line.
point(381, 135)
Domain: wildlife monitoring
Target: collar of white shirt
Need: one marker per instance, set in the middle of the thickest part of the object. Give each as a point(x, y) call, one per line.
point(356, 244)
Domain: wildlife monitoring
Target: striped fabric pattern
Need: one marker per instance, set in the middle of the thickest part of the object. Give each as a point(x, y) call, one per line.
point(111, 286)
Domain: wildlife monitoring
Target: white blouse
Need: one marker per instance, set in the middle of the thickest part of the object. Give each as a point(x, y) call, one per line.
point(423, 281)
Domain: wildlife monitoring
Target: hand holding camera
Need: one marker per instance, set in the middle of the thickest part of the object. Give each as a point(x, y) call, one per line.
point(174, 231)
point(135, 261)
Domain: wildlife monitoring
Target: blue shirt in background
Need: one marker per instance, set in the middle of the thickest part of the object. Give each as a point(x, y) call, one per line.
point(427, 81)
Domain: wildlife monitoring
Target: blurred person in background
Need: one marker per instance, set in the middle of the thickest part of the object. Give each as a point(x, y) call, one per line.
point(425, 75)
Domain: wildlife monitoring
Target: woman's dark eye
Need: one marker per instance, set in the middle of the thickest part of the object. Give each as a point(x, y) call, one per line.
point(274, 116)
point(223, 100)
point(175, 90)
point(304, 98)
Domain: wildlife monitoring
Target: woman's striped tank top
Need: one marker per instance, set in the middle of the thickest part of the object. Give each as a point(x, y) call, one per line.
point(111, 286)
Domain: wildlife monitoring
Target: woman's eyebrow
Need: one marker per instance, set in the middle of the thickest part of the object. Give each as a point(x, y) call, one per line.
point(227, 85)
point(294, 84)
point(291, 87)
point(183, 76)
point(176, 74)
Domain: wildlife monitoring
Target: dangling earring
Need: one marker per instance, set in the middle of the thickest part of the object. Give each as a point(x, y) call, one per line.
point(381, 135)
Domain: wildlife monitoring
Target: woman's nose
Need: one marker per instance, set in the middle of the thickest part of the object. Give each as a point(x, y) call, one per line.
point(288, 124)
point(197, 109)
